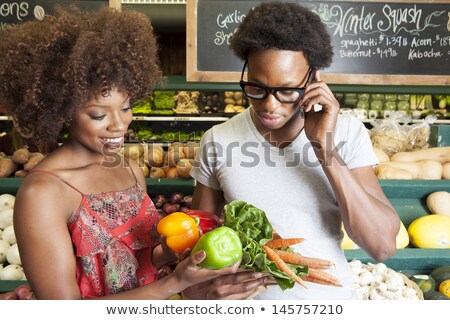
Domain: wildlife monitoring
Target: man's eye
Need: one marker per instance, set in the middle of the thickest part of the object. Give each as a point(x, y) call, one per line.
point(97, 117)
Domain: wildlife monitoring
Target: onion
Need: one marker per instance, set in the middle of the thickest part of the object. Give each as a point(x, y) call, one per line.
point(169, 208)
point(187, 201)
point(159, 201)
point(13, 256)
point(12, 272)
point(183, 209)
point(177, 198)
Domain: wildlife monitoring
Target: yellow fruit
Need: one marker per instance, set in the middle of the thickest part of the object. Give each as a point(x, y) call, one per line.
point(444, 287)
point(347, 243)
point(430, 231)
point(402, 239)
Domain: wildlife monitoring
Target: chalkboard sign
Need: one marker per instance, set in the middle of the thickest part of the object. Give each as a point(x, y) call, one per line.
point(374, 42)
point(13, 12)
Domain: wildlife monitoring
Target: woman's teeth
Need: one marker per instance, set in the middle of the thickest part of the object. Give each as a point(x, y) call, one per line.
point(112, 140)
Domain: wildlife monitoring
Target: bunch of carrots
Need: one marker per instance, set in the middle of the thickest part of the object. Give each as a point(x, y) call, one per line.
point(316, 266)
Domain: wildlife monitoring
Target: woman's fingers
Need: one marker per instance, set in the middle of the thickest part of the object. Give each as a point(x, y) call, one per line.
point(237, 290)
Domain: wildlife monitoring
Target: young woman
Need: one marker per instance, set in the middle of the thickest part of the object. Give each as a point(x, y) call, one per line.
point(84, 223)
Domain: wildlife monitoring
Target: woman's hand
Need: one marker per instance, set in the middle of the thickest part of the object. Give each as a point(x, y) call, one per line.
point(237, 286)
point(163, 255)
point(319, 123)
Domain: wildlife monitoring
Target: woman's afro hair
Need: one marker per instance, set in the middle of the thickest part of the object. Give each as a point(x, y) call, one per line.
point(284, 26)
point(50, 67)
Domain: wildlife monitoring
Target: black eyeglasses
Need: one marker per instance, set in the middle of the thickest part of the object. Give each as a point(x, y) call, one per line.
point(258, 91)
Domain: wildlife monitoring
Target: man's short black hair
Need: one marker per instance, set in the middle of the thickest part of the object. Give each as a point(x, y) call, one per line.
point(284, 26)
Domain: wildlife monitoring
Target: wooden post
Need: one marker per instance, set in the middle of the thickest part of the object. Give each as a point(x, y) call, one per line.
point(115, 4)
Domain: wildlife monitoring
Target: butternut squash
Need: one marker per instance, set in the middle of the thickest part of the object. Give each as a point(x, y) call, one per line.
point(384, 171)
point(438, 202)
point(421, 170)
point(446, 171)
point(440, 154)
point(381, 155)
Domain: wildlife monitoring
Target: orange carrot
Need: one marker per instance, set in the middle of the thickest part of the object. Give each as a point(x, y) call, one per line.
point(272, 255)
point(320, 276)
point(295, 258)
point(283, 242)
point(309, 279)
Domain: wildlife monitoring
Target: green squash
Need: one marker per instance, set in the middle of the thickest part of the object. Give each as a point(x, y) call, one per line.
point(435, 295)
point(426, 283)
point(440, 274)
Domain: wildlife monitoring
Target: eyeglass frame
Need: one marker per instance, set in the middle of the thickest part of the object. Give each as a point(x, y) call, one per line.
point(273, 90)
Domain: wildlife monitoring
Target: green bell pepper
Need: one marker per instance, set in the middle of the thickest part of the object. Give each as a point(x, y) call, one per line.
point(222, 246)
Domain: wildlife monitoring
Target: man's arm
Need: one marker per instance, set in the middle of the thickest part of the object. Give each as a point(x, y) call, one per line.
point(369, 218)
point(208, 199)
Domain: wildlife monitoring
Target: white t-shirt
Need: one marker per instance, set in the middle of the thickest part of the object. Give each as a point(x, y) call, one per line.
point(290, 186)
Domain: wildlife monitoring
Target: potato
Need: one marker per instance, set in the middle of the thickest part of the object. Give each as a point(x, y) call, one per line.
point(21, 156)
point(34, 159)
point(229, 101)
point(171, 172)
point(133, 151)
point(144, 168)
point(237, 95)
point(20, 174)
point(156, 172)
point(229, 94)
point(173, 156)
point(155, 156)
point(7, 167)
point(184, 167)
point(190, 149)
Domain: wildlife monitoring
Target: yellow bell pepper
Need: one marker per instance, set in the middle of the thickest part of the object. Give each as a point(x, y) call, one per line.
point(180, 230)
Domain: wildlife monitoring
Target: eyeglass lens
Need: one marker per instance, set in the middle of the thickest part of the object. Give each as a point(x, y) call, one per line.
point(283, 95)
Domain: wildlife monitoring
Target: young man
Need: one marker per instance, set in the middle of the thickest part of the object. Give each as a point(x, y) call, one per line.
point(291, 154)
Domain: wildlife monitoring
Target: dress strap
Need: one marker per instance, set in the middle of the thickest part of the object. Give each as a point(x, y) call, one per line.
point(131, 168)
point(57, 176)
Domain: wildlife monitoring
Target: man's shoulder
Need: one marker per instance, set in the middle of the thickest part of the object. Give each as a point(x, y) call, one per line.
point(348, 125)
point(234, 125)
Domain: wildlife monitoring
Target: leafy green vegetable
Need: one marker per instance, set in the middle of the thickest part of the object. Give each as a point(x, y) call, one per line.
point(254, 230)
point(164, 99)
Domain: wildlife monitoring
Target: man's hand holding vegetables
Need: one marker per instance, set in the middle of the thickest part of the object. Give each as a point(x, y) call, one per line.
point(309, 168)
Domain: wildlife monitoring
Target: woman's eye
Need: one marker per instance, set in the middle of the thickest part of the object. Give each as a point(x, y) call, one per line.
point(127, 108)
point(97, 117)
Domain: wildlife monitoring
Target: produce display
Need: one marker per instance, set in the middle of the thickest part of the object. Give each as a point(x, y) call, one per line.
point(396, 134)
point(378, 282)
point(155, 162)
point(21, 162)
point(382, 105)
point(436, 285)
point(10, 262)
point(234, 101)
point(187, 102)
point(427, 164)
